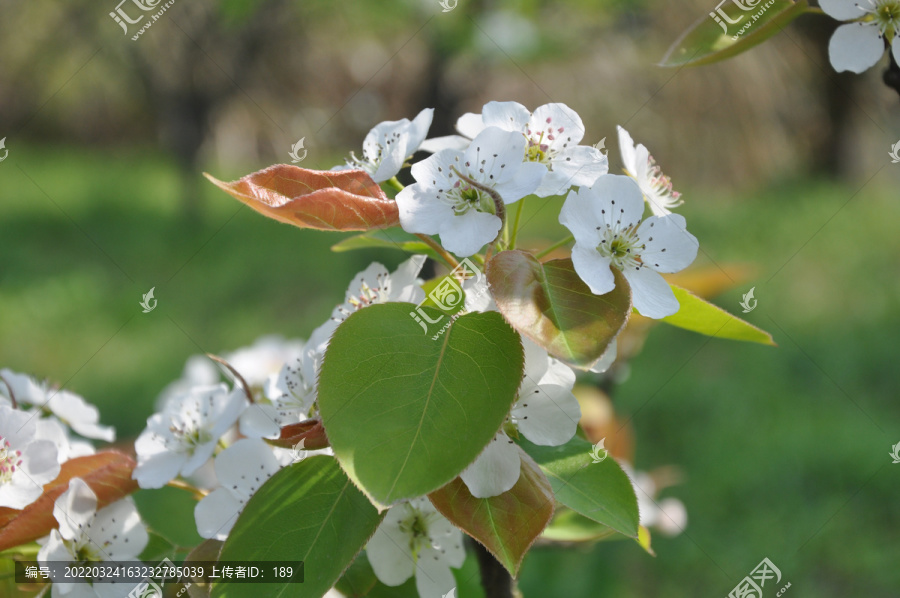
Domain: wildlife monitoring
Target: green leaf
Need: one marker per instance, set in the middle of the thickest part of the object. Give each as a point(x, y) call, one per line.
point(569, 526)
point(701, 316)
point(707, 42)
point(358, 579)
point(306, 512)
point(551, 305)
point(390, 238)
point(407, 411)
point(599, 491)
point(507, 524)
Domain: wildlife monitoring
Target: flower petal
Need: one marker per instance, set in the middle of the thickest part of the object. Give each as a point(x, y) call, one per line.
point(593, 269)
point(670, 247)
point(855, 47)
point(559, 120)
point(216, 514)
point(418, 130)
point(651, 294)
point(548, 415)
point(433, 576)
point(465, 234)
point(157, 469)
point(524, 182)
point(620, 201)
point(842, 10)
point(578, 166)
point(81, 416)
point(245, 466)
point(470, 125)
point(260, 421)
point(75, 508)
point(580, 217)
point(118, 532)
point(626, 148)
point(447, 142)
point(385, 145)
point(496, 470)
point(389, 551)
point(420, 209)
point(509, 116)
point(404, 281)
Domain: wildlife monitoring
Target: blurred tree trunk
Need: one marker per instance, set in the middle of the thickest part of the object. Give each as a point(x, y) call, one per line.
point(833, 157)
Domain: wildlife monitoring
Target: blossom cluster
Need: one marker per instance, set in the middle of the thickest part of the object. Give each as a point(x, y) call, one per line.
point(215, 434)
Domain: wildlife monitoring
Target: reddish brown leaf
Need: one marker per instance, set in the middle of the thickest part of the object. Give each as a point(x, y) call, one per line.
point(320, 199)
point(310, 431)
point(108, 473)
point(551, 305)
point(508, 524)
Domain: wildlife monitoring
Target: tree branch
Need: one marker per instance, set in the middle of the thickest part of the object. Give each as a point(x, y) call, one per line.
point(495, 579)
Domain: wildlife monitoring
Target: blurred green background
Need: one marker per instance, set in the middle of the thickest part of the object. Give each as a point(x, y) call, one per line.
point(782, 164)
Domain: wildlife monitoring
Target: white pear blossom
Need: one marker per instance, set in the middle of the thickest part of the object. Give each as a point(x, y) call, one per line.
point(859, 45)
point(241, 469)
point(373, 285)
point(291, 394)
point(552, 132)
point(641, 166)
point(414, 539)
point(389, 144)
point(264, 358)
point(545, 412)
point(183, 437)
point(70, 408)
point(26, 461)
point(605, 220)
point(50, 428)
point(87, 535)
point(464, 216)
point(256, 363)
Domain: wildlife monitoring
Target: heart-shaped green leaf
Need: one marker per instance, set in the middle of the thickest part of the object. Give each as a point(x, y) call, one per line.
point(306, 512)
point(718, 36)
point(552, 306)
point(320, 199)
point(701, 316)
point(507, 524)
point(599, 491)
point(405, 410)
